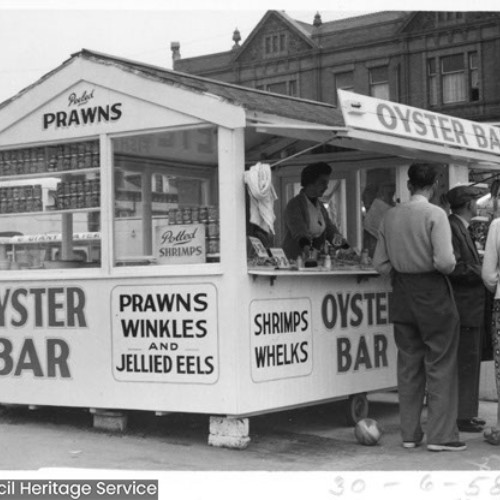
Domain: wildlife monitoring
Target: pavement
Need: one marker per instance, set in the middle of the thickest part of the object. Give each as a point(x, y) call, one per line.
point(308, 439)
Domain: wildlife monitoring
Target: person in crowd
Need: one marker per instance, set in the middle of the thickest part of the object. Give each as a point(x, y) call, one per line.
point(383, 201)
point(308, 225)
point(470, 294)
point(415, 248)
point(491, 275)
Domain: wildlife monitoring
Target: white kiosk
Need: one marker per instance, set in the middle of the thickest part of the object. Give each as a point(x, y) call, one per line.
point(125, 281)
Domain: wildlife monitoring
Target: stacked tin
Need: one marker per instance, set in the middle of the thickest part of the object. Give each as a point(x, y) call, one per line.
point(17, 199)
point(55, 158)
point(207, 215)
point(78, 193)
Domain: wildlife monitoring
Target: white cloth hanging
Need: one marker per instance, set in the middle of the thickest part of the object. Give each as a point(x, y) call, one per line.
point(262, 196)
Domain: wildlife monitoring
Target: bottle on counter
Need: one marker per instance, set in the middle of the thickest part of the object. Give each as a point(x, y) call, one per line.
point(365, 260)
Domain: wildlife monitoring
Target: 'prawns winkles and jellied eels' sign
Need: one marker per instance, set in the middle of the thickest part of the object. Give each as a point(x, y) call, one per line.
point(165, 333)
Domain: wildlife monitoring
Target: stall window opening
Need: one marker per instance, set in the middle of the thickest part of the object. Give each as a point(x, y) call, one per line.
point(166, 200)
point(50, 197)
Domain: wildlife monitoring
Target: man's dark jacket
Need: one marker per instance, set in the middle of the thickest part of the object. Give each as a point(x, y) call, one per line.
point(468, 288)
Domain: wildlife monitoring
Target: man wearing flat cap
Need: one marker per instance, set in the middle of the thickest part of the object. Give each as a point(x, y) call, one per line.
point(469, 293)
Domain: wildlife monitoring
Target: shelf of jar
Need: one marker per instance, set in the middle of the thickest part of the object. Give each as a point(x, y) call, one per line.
point(52, 212)
point(51, 173)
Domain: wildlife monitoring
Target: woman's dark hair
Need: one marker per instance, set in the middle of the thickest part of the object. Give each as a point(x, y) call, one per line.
point(422, 175)
point(313, 172)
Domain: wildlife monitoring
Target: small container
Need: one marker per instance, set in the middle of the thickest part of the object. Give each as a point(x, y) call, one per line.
point(172, 216)
point(213, 245)
point(213, 229)
point(327, 264)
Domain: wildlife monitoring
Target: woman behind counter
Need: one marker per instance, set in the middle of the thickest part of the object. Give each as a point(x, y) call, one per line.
point(307, 222)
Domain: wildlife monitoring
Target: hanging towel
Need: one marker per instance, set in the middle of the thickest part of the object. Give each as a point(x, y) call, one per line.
point(262, 196)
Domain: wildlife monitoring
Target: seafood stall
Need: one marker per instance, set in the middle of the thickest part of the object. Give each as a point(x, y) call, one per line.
point(129, 281)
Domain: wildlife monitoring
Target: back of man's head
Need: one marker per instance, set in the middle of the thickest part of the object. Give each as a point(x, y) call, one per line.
point(422, 175)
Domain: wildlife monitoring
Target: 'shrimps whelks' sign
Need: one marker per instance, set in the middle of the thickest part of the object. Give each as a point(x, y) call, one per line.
point(82, 112)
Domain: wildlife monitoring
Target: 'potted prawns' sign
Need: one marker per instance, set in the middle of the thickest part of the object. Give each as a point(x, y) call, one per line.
point(180, 244)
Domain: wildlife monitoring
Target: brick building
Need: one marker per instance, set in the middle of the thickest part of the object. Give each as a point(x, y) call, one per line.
point(445, 61)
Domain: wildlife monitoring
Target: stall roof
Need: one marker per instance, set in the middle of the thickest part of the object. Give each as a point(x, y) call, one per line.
point(252, 100)
point(279, 115)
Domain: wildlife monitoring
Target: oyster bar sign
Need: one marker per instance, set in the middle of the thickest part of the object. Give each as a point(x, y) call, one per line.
point(81, 111)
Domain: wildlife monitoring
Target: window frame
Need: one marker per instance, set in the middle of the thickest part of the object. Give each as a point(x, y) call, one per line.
point(468, 76)
point(201, 269)
point(378, 84)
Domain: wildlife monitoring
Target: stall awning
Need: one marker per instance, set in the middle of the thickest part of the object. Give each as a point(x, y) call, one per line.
point(440, 138)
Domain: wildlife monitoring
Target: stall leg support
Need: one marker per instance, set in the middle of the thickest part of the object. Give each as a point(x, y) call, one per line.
point(229, 432)
point(109, 420)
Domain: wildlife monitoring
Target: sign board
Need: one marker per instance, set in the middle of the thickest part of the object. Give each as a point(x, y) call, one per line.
point(280, 258)
point(180, 244)
point(87, 109)
point(165, 333)
point(392, 118)
point(281, 339)
point(259, 248)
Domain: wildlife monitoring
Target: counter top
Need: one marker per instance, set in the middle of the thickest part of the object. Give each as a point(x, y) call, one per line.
point(311, 271)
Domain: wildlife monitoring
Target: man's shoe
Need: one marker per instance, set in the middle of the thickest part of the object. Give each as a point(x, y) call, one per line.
point(452, 446)
point(469, 425)
point(492, 436)
point(411, 444)
point(478, 421)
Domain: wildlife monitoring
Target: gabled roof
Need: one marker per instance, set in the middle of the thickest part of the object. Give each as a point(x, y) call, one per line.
point(294, 26)
point(251, 100)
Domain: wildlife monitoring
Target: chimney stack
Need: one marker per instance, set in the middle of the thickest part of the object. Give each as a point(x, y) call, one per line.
point(236, 39)
point(317, 20)
point(175, 47)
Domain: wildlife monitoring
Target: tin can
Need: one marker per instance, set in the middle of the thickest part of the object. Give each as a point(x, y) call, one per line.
point(212, 245)
point(37, 191)
point(178, 217)
point(80, 200)
point(186, 216)
point(88, 200)
point(213, 229)
point(15, 192)
point(213, 213)
point(203, 214)
point(195, 214)
point(172, 216)
point(28, 191)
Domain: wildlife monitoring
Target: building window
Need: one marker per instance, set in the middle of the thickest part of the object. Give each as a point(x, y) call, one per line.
point(473, 77)
point(275, 44)
point(287, 87)
point(379, 82)
point(453, 78)
point(449, 17)
point(432, 82)
point(345, 81)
